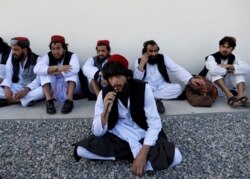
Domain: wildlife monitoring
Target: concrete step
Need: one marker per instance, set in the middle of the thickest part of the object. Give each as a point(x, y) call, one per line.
point(85, 109)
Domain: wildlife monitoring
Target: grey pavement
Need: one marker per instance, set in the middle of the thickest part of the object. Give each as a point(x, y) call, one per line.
point(85, 109)
point(214, 142)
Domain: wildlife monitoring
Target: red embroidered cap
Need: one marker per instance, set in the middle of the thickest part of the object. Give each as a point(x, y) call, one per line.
point(119, 58)
point(20, 41)
point(102, 42)
point(57, 38)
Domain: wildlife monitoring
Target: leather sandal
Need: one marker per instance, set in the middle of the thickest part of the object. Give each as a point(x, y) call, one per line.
point(243, 100)
point(231, 101)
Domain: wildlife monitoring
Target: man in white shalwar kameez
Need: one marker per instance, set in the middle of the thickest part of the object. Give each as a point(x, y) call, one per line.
point(126, 124)
point(58, 72)
point(20, 83)
point(92, 68)
point(153, 68)
point(5, 52)
point(227, 72)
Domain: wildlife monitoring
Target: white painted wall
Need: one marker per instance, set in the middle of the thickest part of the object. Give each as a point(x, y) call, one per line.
point(187, 30)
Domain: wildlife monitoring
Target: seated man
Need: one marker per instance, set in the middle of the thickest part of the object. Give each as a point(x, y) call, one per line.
point(20, 83)
point(58, 71)
point(4, 55)
point(126, 124)
point(228, 72)
point(153, 68)
point(92, 68)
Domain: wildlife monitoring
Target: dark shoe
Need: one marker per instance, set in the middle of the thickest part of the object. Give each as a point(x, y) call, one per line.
point(50, 107)
point(31, 103)
point(3, 102)
point(76, 156)
point(160, 106)
point(67, 106)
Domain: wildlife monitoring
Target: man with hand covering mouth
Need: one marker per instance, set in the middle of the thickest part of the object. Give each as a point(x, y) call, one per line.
point(126, 124)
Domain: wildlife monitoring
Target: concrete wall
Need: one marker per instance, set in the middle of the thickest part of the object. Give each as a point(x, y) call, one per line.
point(186, 30)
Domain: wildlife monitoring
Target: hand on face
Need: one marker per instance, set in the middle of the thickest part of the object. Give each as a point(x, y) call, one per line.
point(144, 58)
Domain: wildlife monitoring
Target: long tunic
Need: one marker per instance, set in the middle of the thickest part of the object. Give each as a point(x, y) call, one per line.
point(59, 82)
point(89, 70)
point(160, 87)
point(216, 72)
point(126, 128)
point(36, 92)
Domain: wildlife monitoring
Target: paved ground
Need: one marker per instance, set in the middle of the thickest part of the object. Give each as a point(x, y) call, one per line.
point(214, 142)
point(85, 109)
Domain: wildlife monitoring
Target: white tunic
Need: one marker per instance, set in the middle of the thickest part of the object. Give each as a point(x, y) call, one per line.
point(59, 82)
point(216, 72)
point(89, 70)
point(2, 68)
point(36, 92)
point(42, 66)
point(160, 87)
point(126, 128)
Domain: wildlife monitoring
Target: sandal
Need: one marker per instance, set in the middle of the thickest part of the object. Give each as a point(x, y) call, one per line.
point(231, 101)
point(243, 100)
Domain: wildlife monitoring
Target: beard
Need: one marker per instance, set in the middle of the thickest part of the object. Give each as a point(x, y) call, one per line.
point(123, 94)
point(224, 56)
point(152, 60)
point(101, 60)
point(20, 58)
point(59, 59)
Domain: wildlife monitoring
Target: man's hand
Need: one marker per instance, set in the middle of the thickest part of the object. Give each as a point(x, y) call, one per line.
point(108, 102)
point(139, 164)
point(144, 60)
point(65, 68)
point(228, 67)
point(197, 82)
point(20, 94)
point(8, 93)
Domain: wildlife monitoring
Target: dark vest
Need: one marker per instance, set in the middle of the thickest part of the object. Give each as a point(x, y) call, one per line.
point(161, 67)
point(136, 95)
point(5, 55)
point(98, 63)
point(66, 60)
point(82, 78)
point(217, 58)
point(28, 74)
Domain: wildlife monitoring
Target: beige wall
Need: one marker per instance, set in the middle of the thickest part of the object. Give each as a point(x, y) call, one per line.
point(187, 30)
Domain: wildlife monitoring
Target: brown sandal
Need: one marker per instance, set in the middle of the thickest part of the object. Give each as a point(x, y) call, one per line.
point(243, 100)
point(231, 101)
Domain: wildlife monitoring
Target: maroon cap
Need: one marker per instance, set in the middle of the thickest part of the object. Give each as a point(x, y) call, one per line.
point(20, 41)
point(119, 58)
point(102, 42)
point(57, 38)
